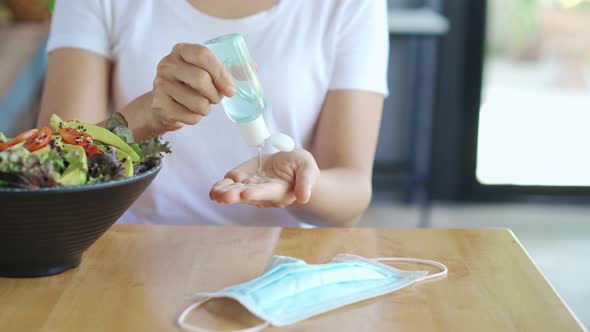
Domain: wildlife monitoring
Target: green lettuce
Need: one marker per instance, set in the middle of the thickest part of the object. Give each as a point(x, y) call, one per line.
point(21, 169)
point(150, 151)
point(116, 120)
point(104, 167)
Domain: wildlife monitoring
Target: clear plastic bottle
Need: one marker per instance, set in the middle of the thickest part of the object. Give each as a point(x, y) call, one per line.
point(248, 104)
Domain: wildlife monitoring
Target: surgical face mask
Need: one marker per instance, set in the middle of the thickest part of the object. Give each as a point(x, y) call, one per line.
point(290, 290)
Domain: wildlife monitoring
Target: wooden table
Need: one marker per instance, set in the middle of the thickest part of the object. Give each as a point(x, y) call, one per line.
point(139, 278)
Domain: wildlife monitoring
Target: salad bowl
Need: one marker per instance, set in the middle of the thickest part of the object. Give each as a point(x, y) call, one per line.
point(61, 189)
point(45, 231)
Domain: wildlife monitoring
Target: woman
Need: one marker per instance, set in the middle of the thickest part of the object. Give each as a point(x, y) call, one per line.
point(322, 64)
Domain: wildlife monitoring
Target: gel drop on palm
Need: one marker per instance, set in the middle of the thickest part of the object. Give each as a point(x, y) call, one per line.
point(248, 104)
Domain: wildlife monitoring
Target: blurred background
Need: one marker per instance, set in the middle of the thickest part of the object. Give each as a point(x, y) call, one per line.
point(487, 124)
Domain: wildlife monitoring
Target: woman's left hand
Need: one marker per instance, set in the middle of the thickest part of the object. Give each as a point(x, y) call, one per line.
point(287, 177)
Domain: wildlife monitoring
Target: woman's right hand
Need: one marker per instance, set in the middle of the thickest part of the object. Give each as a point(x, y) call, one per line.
point(189, 80)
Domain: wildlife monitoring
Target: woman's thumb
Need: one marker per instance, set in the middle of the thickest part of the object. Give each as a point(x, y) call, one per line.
point(305, 180)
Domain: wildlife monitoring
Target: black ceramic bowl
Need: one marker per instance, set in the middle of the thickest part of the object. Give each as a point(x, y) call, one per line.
point(45, 231)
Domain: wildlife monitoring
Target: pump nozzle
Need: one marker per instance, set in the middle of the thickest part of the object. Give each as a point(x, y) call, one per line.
point(282, 142)
point(255, 133)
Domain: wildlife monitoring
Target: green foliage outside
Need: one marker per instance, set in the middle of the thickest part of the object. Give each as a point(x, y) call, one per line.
point(513, 24)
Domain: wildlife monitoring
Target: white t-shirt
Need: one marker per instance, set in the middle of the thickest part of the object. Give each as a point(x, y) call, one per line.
point(303, 49)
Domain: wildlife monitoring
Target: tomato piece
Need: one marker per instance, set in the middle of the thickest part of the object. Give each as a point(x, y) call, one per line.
point(20, 138)
point(91, 149)
point(75, 137)
point(40, 141)
point(25, 136)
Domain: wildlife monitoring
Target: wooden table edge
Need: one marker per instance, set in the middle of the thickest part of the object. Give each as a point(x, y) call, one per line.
point(546, 280)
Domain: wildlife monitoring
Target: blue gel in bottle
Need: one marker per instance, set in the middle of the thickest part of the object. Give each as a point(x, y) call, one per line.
point(248, 104)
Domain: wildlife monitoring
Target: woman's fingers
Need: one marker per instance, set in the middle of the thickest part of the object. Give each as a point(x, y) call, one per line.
point(237, 175)
point(231, 195)
point(202, 57)
point(226, 191)
point(184, 95)
point(174, 115)
point(189, 80)
point(219, 188)
point(199, 80)
point(273, 192)
point(305, 179)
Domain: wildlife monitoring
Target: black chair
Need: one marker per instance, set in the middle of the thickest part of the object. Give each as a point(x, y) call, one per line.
point(403, 155)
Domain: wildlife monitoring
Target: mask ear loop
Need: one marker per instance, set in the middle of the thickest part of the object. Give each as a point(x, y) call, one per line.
point(444, 271)
point(187, 327)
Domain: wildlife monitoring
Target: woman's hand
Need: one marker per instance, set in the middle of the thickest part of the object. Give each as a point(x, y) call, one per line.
point(188, 81)
point(287, 177)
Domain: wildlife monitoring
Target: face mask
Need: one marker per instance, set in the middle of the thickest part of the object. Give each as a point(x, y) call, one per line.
point(290, 290)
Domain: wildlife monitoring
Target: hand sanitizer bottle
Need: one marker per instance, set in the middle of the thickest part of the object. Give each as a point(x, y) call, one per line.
point(248, 104)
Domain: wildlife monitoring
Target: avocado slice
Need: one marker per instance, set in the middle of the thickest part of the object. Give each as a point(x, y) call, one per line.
point(103, 135)
point(56, 122)
point(57, 140)
point(77, 171)
point(127, 162)
point(42, 152)
point(98, 133)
